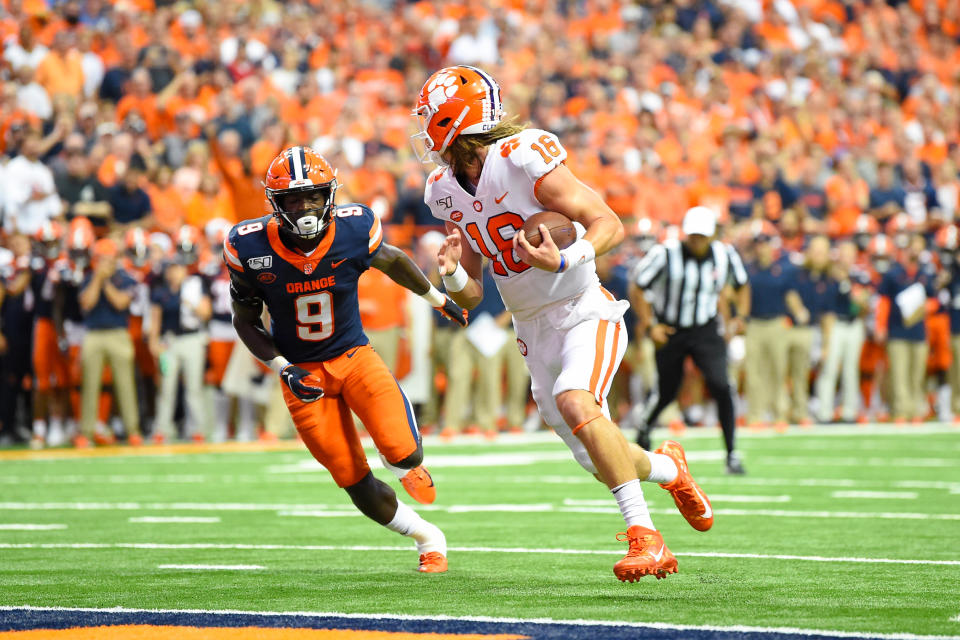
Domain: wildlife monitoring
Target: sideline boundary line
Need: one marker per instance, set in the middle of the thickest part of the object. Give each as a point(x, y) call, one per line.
point(717, 631)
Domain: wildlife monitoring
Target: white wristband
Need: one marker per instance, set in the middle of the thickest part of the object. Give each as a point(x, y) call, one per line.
point(434, 297)
point(578, 253)
point(457, 280)
point(278, 363)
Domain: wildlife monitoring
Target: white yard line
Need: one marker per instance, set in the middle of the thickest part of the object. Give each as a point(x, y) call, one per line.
point(320, 513)
point(32, 527)
point(575, 622)
point(153, 546)
point(852, 461)
point(330, 510)
point(876, 495)
point(174, 520)
point(213, 567)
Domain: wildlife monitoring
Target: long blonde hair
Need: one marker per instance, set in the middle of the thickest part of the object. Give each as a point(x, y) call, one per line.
point(463, 150)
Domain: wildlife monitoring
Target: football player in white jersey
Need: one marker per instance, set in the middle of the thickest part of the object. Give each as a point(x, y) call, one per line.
point(492, 175)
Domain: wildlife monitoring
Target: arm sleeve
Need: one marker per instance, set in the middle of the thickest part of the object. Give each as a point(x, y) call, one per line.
point(428, 198)
point(375, 236)
point(230, 254)
point(536, 152)
point(650, 267)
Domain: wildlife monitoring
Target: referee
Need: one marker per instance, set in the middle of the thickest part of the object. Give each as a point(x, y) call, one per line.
point(683, 281)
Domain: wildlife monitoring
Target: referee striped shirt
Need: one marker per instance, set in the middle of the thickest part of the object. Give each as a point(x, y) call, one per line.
point(684, 287)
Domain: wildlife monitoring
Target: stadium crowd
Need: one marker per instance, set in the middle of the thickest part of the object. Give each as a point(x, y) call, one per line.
point(825, 134)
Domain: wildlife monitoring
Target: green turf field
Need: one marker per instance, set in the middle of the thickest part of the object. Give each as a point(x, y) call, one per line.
point(814, 537)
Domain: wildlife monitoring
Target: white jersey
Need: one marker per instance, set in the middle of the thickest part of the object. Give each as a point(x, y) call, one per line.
point(505, 198)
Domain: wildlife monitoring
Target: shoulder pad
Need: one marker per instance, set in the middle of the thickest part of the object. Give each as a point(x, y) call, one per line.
point(535, 151)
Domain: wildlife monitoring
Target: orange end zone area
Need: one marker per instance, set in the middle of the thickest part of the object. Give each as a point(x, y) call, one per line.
point(152, 632)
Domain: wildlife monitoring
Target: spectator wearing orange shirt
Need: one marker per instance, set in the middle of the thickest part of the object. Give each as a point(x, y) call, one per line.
point(712, 193)
point(847, 196)
point(211, 201)
point(141, 101)
point(61, 71)
point(245, 188)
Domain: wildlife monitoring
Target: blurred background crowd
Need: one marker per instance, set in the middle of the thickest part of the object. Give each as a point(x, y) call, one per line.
point(825, 134)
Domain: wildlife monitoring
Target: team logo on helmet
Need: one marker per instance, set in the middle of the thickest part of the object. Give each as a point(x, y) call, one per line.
point(454, 101)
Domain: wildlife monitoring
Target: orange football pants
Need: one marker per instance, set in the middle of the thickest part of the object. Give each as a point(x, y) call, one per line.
point(357, 380)
point(50, 365)
point(142, 357)
point(218, 356)
point(938, 337)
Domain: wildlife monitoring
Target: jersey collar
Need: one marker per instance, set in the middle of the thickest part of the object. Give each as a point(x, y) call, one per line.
point(303, 263)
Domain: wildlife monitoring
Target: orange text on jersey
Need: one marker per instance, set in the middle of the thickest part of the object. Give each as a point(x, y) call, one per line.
point(310, 285)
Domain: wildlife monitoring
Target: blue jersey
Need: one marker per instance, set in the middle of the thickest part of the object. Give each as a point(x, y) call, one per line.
point(312, 299)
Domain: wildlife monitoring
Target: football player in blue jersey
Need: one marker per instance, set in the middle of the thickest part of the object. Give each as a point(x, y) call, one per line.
point(303, 263)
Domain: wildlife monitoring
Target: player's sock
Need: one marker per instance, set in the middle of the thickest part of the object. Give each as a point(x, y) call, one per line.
point(662, 468)
point(40, 429)
point(629, 497)
point(56, 435)
point(408, 522)
point(397, 471)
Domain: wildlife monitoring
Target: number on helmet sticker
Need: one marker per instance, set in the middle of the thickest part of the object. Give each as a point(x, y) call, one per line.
point(315, 316)
point(251, 227)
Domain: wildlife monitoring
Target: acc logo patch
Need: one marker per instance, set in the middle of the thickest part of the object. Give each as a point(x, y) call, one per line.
point(456, 216)
point(262, 262)
point(522, 346)
point(267, 277)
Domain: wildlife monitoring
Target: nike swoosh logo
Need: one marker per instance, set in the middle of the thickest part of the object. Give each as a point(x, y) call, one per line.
point(336, 263)
point(350, 355)
point(658, 554)
point(500, 199)
point(708, 511)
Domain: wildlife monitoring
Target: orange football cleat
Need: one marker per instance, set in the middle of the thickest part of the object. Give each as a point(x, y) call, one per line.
point(81, 442)
point(419, 485)
point(158, 438)
point(104, 439)
point(677, 427)
point(433, 562)
point(647, 555)
point(135, 440)
point(687, 495)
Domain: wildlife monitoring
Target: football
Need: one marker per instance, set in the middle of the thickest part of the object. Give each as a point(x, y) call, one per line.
point(560, 227)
